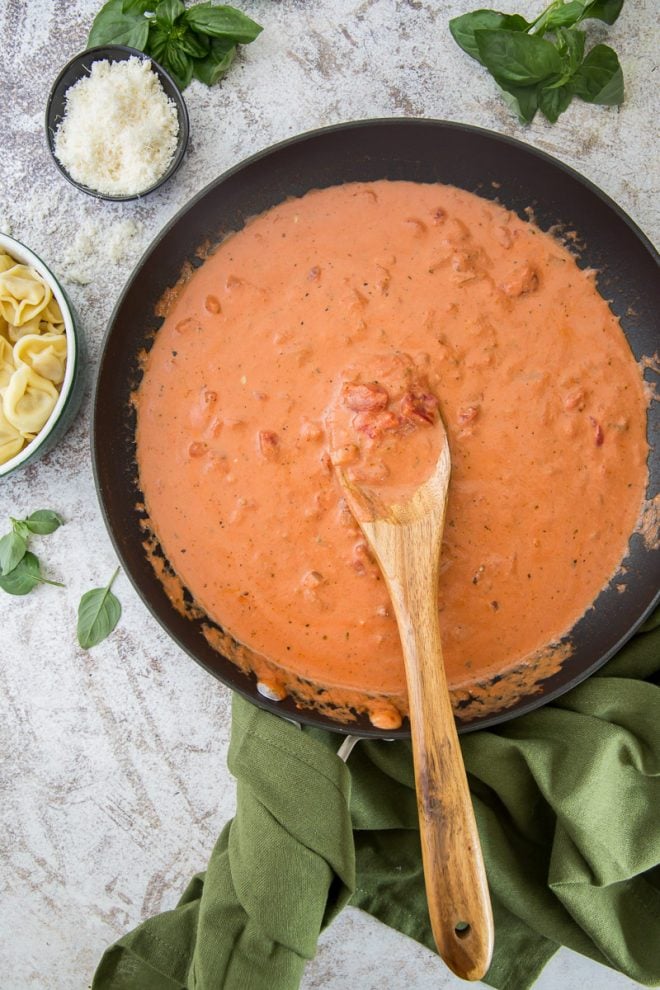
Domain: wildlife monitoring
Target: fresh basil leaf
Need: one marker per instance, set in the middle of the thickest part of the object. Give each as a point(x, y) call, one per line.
point(212, 68)
point(603, 10)
point(570, 45)
point(25, 576)
point(522, 100)
point(12, 550)
point(554, 100)
point(195, 44)
point(167, 12)
point(179, 65)
point(463, 28)
point(158, 41)
point(520, 59)
point(177, 60)
point(112, 26)
point(43, 521)
point(98, 614)
point(20, 527)
point(139, 6)
point(600, 78)
point(222, 22)
point(564, 15)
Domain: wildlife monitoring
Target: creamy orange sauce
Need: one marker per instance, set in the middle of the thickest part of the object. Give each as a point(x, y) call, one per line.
point(542, 400)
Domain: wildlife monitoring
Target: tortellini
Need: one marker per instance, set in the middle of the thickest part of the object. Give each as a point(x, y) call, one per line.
point(34, 311)
point(45, 354)
point(23, 295)
point(6, 261)
point(6, 364)
point(37, 325)
point(33, 354)
point(11, 440)
point(28, 400)
point(15, 333)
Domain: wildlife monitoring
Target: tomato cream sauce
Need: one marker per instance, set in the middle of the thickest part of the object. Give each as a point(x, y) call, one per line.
point(542, 400)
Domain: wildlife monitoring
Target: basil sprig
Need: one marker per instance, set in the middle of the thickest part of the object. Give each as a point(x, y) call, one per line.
point(198, 41)
point(20, 570)
point(540, 64)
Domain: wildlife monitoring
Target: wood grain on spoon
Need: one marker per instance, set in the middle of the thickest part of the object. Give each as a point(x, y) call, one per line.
point(405, 538)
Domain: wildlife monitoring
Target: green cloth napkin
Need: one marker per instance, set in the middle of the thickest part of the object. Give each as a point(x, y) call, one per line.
point(567, 801)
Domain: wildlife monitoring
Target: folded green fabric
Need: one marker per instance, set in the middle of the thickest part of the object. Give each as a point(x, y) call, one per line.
point(567, 801)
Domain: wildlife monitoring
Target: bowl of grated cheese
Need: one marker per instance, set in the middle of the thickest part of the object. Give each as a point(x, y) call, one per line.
point(116, 123)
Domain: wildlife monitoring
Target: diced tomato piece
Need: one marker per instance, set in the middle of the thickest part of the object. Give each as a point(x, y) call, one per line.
point(574, 399)
point(362, 558)
point(467, 414)
point(269, 444)
point(520, 282)
point(419, 406)
point(599, 436)
point(360, 398)
point(376, 424)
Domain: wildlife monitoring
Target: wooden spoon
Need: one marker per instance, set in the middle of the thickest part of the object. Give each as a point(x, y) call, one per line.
point(405, 538)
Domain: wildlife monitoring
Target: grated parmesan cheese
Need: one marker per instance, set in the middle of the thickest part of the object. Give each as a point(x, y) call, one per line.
point(120, 129)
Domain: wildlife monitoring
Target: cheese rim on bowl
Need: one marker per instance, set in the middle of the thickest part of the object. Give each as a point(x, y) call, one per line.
point(71, 388)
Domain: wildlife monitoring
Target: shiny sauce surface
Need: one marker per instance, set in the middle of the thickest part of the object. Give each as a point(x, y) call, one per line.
point(542, 400)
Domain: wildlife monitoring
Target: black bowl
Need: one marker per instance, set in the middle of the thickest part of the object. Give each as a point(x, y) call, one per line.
point(79, 67)
point(480, 161)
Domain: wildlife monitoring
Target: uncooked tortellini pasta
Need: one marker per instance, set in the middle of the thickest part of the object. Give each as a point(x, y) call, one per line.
point(23, 295)
point(6, 261)
point(44, 353)
point(6, 364)
point(49, 320)
point(33, 354)
point(28, 400)
point(11, 440)
point(15, 333)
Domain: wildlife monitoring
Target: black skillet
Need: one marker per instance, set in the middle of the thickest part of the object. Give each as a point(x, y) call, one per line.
point(493, 166)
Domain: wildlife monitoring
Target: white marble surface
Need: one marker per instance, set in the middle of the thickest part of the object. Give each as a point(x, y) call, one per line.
point(113, 781)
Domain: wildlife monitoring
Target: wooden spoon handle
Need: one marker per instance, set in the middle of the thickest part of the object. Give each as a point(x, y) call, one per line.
point(456, 886)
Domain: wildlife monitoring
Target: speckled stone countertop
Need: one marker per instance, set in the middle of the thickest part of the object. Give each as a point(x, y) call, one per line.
point(113, 762)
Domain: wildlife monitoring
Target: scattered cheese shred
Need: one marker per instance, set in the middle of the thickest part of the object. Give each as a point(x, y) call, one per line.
point(120, 129)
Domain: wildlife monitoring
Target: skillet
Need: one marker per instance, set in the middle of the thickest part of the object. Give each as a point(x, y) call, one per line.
point(495, 167)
